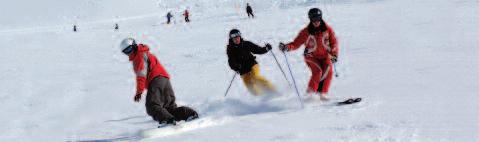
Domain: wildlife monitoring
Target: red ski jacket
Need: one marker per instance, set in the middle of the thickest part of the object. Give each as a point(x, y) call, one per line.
point(146, 67)
point(318, 45)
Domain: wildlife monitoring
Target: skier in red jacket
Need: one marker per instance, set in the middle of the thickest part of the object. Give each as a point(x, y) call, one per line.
point(160, 98)
point(187, 16)
point(321, 50)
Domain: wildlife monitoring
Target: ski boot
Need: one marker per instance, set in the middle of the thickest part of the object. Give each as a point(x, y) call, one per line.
point(193, 117)
point(322, 97)
point(168, 122)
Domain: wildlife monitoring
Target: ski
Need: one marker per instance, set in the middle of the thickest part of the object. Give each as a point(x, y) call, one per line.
point(177, 123)
point(349, 101)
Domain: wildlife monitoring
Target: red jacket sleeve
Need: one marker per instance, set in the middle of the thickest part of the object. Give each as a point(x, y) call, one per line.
point(333, 42)
point(298, 41)
point(139, 66)
point(140, 84)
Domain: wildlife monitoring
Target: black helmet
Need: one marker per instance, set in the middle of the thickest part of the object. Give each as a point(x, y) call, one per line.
point(235, 33)
point(315, 14)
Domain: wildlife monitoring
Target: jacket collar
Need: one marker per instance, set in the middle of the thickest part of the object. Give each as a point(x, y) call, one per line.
point(141, 49)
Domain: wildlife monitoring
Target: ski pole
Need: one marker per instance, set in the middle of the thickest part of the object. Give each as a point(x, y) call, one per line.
point(294, 82)
point(334, 65)
point(231, 82)
point(335, 71)
point(280, 68)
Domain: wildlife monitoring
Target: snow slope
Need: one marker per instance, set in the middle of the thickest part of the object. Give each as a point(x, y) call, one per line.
point(413, 62)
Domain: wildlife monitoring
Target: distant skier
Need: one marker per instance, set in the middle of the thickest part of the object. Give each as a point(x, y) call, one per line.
point(187, 15)
point(74, 28)
point(242, 61)
point(249, 11)
point(160, 98)
point(168, 17)
point(116, 26)
point(321, 51)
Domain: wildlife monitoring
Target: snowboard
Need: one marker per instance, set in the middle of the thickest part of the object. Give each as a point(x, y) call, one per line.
point(349, 101)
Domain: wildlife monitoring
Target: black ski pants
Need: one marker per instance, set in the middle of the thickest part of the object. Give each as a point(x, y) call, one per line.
point(250, 14)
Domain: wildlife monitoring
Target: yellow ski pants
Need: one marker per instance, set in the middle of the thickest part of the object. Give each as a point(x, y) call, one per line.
point(257, 84)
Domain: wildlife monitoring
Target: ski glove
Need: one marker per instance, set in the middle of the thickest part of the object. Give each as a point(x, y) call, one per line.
point(238, 67)
point(137, 97)
point(268, 47)
point(282, 47)
point(334, 59)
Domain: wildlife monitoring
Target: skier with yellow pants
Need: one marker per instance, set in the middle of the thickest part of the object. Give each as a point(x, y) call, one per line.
point(241, 60)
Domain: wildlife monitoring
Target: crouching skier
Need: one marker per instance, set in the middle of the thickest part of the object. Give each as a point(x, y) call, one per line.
point(160, 98)
point(242, 61)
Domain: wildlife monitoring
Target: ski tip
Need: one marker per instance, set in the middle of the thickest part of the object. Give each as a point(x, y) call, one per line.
point(349, 101)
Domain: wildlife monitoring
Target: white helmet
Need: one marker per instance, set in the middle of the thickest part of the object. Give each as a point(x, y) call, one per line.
point(128, 45)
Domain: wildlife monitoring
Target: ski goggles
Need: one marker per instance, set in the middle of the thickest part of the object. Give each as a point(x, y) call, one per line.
point(128, 50)
point(315, 19)
point(235, 35)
